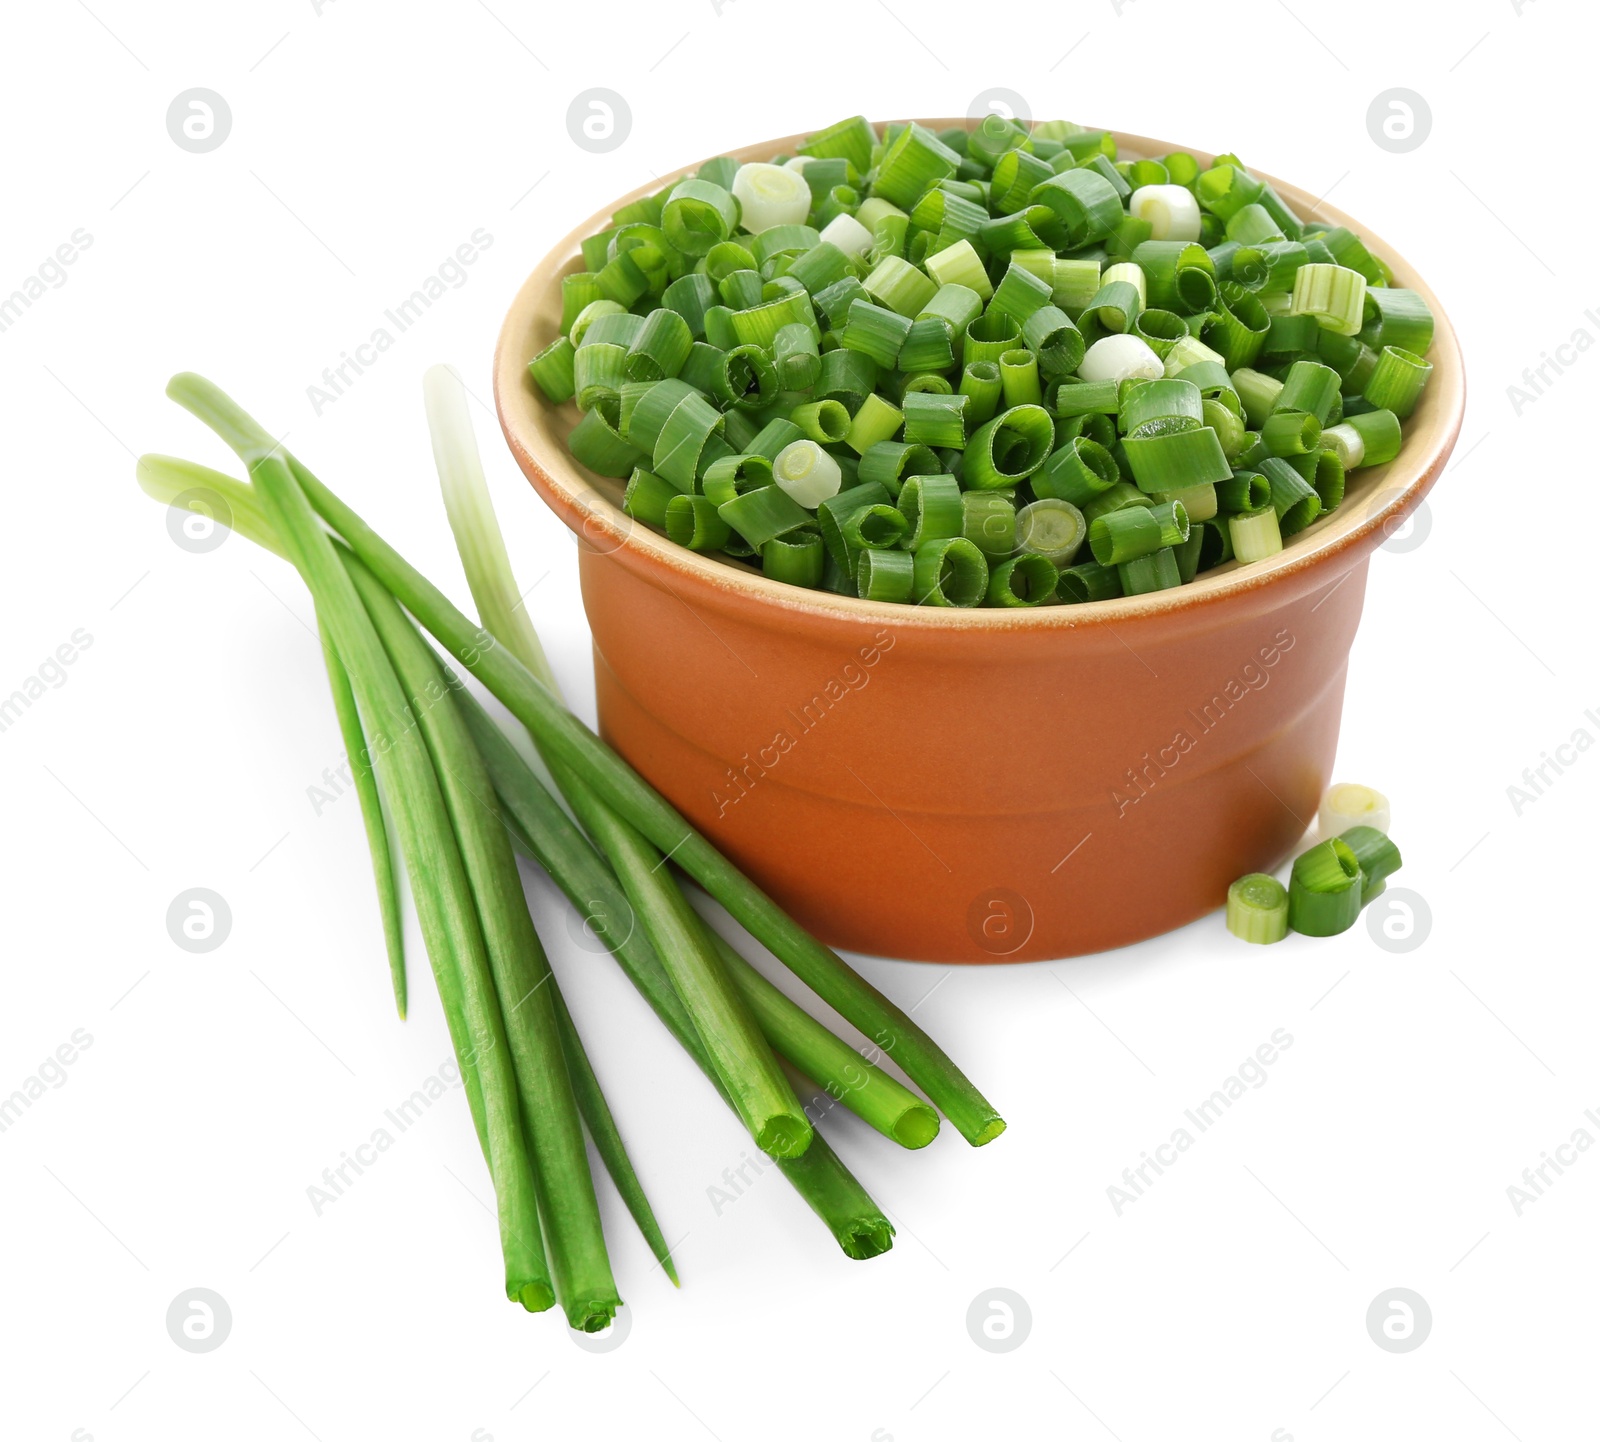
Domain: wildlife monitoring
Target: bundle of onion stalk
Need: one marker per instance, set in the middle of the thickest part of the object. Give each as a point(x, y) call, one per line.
point(461, 799)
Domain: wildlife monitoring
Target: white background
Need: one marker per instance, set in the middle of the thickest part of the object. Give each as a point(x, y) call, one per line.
point(367, 142)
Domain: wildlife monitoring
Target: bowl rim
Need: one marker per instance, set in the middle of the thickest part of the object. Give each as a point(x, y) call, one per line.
point(527, 418)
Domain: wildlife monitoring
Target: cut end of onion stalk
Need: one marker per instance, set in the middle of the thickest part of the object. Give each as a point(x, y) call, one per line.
point(1120, 358)
point(783, 1135)
point(916, 1126)
point(989, 1131)
point(1172, 211)
point(866, 1238)
point(536, 1296)
point(1346, 804)
point(592, 1314)
point(770, 195)
point(806, 473)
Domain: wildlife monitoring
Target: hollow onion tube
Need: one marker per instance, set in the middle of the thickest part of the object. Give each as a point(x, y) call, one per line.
point(949, 571)
point(1332, 295)
point(933, 506)
point(559, 734)
point(796, 558)
point(760, 515)
point(1136, 531)
point(1258, 909)
point(981, 385)
point(935, 420)
point(875, 420)
point(1088, 582)
point(770, 195)
point(1397, 380)
point(1077, 472)
point(1019, 378)
point(1395, 316)
point(1175, 454)
point(1325, 889)
point(1346, 804)
point(1157, 571)
point(890, 462)
point(1243, 491)
point(1293, 497)
point(989, 521)
point(837, 509)
point(1161, 330)
point(1029, 579)
point(697, 215)
point(1238, 326)
point(1008, 449)
point(1052, 529)
point(1255, 534)
point(1378, 855)
point(885, 576)
point(805, 473)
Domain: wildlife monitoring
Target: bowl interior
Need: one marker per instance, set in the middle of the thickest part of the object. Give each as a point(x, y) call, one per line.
point(537, 432)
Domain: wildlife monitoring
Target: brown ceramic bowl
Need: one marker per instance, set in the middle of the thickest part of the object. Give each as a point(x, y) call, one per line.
point(984, 785)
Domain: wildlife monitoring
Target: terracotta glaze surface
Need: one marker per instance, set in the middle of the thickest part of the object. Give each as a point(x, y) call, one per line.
point(984, 785)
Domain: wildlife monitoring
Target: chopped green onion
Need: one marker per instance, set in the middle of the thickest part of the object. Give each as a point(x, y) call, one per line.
point(795, 557)
point(1198, 502)
point(949, 571)
point(960, 264)
point(1310, 386)
point(1255, 535)
point(885, 576)
point(1398, 317)
point(1157, 571)
point(933, 506)
point(1174, 454)
point(1135, 531)
point(1325, 887)
point(1258, 909)
point(1089, 582)
point(981, 385)
point(1019, 378)
point(1243, 491)
point(989, 521)
point(805, 473)
point(697, 215)
point(769, 195)
point(1378, 856)
point(1291, 433)
point(1170, 209)
point(1346, 804)
point(1077, 472)
point(1294, 499)
point(1397, 380)
point(1052, 529)
point(760, 515)
point(1008, 449)
point(1026, 580)
point(693, 521)
point(1119, 358)
point(936, 420)
point(552, 370)
point(1332, 295)
point(875, 421)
